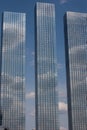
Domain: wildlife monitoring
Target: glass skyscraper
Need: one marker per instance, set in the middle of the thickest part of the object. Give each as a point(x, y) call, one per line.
point(46, 67)
point(76, 68)
point(12, 71)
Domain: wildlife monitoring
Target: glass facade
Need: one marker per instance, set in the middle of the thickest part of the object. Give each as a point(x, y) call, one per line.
point(12, 81)
point(46, 68)
point(76, 69)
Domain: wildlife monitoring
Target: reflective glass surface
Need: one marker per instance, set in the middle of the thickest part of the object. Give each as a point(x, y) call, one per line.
point(12, 84)
point(76, 66)
point(46, 68)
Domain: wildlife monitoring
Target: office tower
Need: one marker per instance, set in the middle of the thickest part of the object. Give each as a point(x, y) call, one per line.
point(76, 68)
point(45, 67)
point(12, 71)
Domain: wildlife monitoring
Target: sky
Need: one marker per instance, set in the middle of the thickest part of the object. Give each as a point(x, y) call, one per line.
point(27, 6)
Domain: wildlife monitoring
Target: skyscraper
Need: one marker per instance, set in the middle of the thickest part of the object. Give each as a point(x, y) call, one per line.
point(76, 68)
point(12, 71)
point(46, 68)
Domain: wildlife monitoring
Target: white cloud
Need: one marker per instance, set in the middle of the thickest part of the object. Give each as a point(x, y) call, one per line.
point(30, 95)
point(14, 34)
point(62, 128)
point(78, 52)
point(63, 1)
point(62, 106)
point(46, 75)
point(76, 49)
point(11, 96)
point(18, 79)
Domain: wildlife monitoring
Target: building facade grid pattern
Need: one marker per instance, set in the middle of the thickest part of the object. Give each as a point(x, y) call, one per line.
point(76, 69)
point(12, 85)
point(46, 68)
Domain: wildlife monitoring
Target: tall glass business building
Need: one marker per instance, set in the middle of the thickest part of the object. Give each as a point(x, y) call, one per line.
point(46, 68)
point(76, 68)
point(12, 71)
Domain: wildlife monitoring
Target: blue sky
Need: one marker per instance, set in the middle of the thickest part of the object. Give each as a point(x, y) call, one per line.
point(27, 6)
